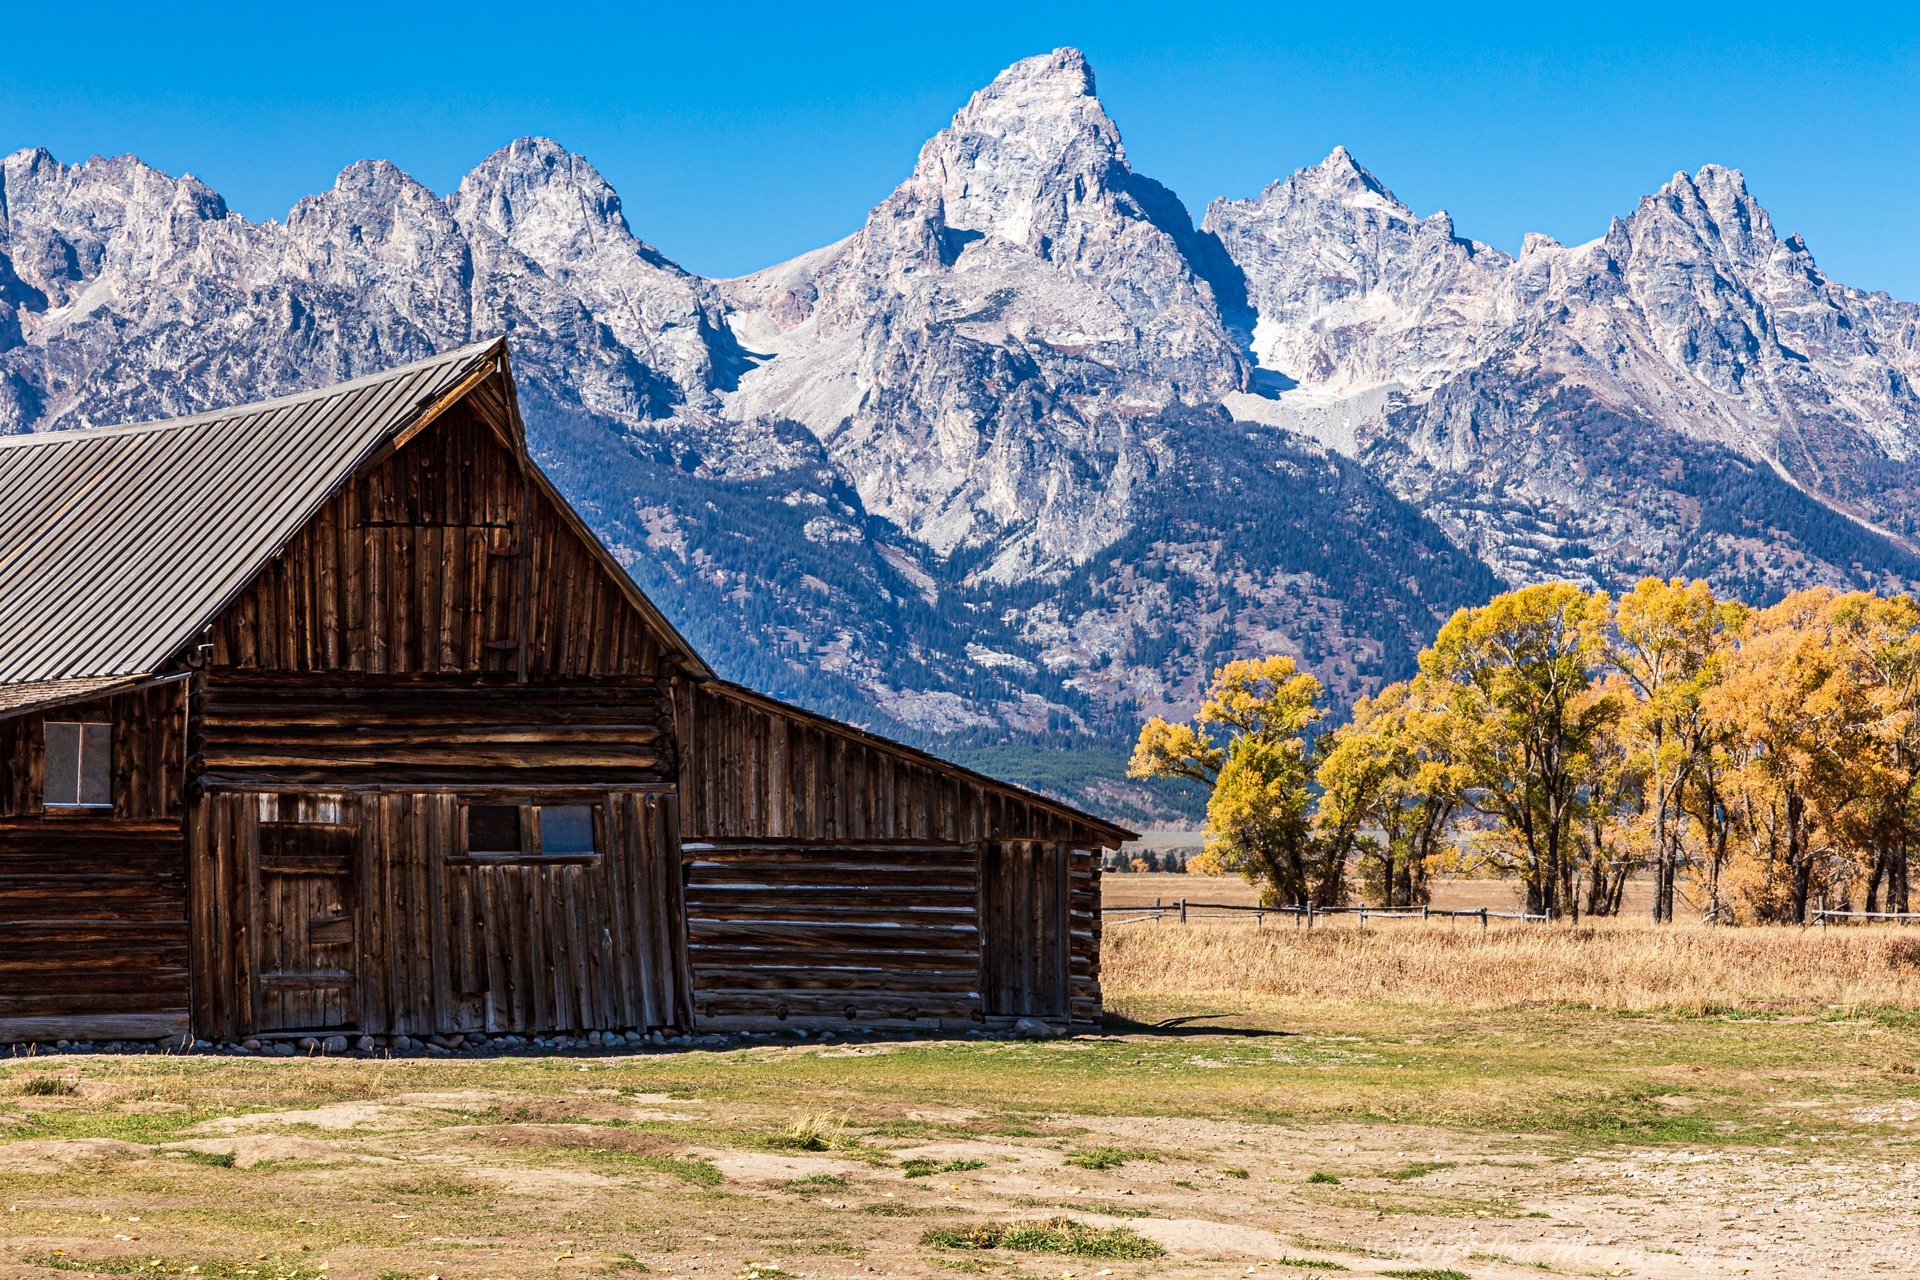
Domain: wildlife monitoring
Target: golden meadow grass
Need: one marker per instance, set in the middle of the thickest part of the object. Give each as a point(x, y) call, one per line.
point(1613, 965)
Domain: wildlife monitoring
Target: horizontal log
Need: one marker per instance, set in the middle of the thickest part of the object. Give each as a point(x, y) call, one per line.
point(842, 957)
point(917, 935)
point(235, 682)
point(833, 875)
point(474, 778)
point(703, 853)
point(92, 826)
point(830, 914)
point(166, 990)
point(723, 1002)
point(959, 981)
point(548, 753)
point(127, 1026)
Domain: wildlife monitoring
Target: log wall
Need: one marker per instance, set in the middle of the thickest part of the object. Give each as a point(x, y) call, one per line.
point(444, 941)
point(757, 775)
point(345, 729)
point(93, 903)
point(804, 933)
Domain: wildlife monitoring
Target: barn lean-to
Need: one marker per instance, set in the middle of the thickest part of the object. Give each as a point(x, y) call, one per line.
point(330, 714)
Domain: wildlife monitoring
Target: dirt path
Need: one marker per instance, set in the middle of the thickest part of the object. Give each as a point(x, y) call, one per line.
point(564, 1180)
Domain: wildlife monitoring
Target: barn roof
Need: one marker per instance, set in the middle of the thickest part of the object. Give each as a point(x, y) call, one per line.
point(118, 544)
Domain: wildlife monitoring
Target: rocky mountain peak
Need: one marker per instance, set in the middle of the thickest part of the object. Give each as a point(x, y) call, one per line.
point(546, 201)
point(1023, 153)
point(1343, 179)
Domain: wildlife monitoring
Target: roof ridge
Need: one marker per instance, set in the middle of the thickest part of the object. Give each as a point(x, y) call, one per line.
point(471, 352)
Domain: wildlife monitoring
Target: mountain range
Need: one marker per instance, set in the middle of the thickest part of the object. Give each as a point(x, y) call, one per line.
point(1027, 454)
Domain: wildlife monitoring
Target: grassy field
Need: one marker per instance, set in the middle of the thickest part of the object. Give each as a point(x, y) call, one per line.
point(1411, 1103)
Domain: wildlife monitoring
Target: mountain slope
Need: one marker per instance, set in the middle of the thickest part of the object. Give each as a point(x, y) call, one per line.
point(1561, 413)
point(1021, 458)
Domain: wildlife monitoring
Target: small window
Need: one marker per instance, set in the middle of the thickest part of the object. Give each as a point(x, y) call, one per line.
point(79, 765)
point(551, 831)
point(566, 829)
point(494, 828)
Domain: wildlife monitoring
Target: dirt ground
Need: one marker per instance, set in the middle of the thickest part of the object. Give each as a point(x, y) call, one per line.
point(1560, 1143)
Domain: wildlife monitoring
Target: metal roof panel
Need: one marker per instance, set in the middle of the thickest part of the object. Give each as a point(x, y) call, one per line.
point(116, 543)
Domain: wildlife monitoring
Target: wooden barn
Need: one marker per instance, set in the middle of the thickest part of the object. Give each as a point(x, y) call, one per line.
point(329, 715)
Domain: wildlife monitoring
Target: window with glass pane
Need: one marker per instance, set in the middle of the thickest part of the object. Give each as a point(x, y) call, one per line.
point(566, 829)
point(494, 828)
point(79, 765)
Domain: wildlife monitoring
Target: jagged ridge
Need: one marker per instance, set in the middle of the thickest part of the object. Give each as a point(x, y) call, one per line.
point(1028, 451)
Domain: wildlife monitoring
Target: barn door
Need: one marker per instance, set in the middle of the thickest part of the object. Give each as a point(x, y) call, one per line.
point(1025, 952)
point(306, 959)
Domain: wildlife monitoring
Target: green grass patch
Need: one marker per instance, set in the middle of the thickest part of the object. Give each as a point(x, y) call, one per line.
point(1421, 1204)
point(1311, 1264)
point(1322, 1179)
point(48, 1087)
point(211, 1159)
point(1103, 1158)
point(816, 1182)
point(1055, 1235)
point(699, 1173)
point(1418, 1169)
point(924, 1168)
point(1427, 1273)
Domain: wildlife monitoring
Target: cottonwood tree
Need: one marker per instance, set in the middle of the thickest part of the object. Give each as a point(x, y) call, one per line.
point(1667, 643)
point(1878, 644)
point(1788, 708)
point(1390, 768)
point(1250, 744)
point(1516, 677)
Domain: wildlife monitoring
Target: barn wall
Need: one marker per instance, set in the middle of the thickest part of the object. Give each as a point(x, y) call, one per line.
point(759, 781)
point(849, 932)
point(439, 560)
point(348, 729)
point(93, 905)
point(438, 632)
point(442, 942)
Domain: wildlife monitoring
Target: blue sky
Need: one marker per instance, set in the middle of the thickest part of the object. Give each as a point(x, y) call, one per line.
point(742, 135)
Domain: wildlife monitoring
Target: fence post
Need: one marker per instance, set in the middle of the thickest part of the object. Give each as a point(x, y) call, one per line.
point(1483, 919)
point(1363, 917)
point(1309, 913)
point(1424, 910)
point(1183, 911)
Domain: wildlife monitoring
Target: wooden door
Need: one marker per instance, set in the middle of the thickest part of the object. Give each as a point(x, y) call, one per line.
point(306, 962)
point(1025, 929)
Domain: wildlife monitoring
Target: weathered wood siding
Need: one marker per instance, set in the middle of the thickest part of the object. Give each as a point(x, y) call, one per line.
point(752, 771)
point(348, 729)
point(1083, 865)
point(804, 933)
point(445, 942)
point(93, 904)
point(1025, 914)
point(442, 559)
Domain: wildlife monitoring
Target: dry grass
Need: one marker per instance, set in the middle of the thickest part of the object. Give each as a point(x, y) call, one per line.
point(1614, 966)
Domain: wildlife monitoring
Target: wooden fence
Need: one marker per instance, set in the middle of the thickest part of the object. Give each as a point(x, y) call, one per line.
point(1303, 916)
point(1821, 916)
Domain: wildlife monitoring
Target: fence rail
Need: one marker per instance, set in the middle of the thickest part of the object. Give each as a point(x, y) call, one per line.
point(1821, 916)
point(1185, 909)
